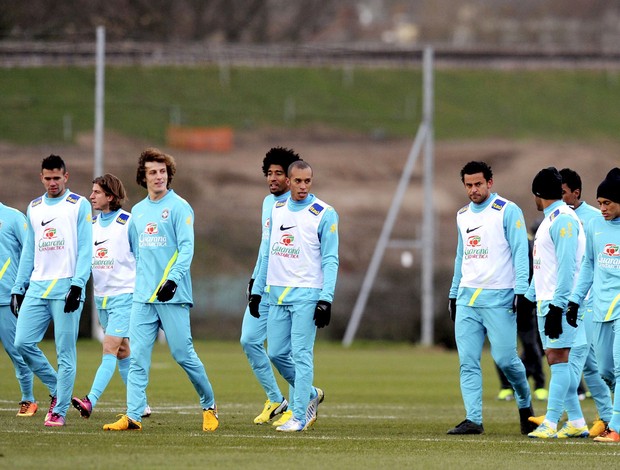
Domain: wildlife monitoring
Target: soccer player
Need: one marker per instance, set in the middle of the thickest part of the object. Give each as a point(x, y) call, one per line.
point(161, 233)
point(300, 268)
point(571, 195)
point(600, 272)
point(558, 249)
point(254, 330)
point(54, 267)
point(491, 271)
point(114, 273)
point(13, 228)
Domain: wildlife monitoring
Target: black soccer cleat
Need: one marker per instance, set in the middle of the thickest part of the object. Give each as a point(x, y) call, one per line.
point(467, 427)
point(526, 425)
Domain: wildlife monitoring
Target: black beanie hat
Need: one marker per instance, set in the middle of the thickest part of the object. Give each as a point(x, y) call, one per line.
point(610, 187)
point(547, 184)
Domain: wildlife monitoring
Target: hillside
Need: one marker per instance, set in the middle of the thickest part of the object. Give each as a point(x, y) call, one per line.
point(354, 173)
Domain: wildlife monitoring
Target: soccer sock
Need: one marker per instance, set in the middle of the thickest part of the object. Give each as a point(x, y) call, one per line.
point(558, 386)
point(123, 368)
point(102, 377)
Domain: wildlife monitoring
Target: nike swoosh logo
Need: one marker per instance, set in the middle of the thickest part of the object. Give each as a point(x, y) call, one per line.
point(597, 233)
point(282, 227)
point(44, 223)
point(469, 230)
point(99, 243)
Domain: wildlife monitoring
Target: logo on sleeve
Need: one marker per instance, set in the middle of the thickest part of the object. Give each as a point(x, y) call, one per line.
point(498, 204)
point(73, 198)
point(316, 208)
point(122, 219)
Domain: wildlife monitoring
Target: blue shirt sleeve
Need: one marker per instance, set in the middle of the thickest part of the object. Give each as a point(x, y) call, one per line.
point(565, 235)
point(184, 228)
point(261, 275)
point(26, 260)
point(328, 234)
point(516, 235)
point(458, 262)
point(84, 260)
point(586, 272)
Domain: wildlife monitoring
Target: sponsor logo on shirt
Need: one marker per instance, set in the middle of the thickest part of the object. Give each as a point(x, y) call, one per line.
point(610, 257)
point(122, 219)
point(285, 248)
point(149, 237)
point(49, 241)
point(101, 259)
point(473, 248)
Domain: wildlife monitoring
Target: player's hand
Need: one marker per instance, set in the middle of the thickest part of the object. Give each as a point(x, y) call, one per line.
point(524, 309)
point(166, 291)
point(254, 302)
point(16, 303)
point(248, 290)
point(72, 299)
point(322, 313)
point(452, 309)
point(571, 314)
point(553, 322)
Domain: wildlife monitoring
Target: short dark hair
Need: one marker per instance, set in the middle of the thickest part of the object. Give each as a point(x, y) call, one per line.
point(301, 164)
point(474, 167)
point(53, 162)
point(152, 154)
point(112, 186)
point(279, 156)
point(571, 179)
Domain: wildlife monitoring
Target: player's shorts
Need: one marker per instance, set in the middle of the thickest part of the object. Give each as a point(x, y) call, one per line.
point(114, 313)
point(569, 338)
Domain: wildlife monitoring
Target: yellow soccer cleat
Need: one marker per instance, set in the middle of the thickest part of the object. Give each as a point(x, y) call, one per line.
point(27, 408)
point(283, 419)
point(597, 428)
point(506, 394)
point(537, 420)
point(541, 394)
point(543, 432)
point(210, 420)
point(568, 431)
point(271, 410)
point(125, 423)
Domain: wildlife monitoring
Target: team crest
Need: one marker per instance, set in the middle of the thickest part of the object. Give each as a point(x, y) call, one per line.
point(165, 214)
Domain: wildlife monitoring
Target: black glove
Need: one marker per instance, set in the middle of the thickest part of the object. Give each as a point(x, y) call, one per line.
point(248, 291)
point(166, 291)
point(72, 299)
point(524, 309)
point(452, 309)
point(16, 303)
point(322, 313)
point(571, 314)
point(553, 322)
point(253, 304)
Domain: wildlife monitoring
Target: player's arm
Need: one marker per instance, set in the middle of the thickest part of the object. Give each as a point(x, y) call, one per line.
point(132, 235)
point(565, 235)
point(458, 262)
point(328, 235)
point(260, 280)
point(586, 272)
point(26, 260)
point(184, 227)
point(268, 203)
point(84, 260)
point(516, 234)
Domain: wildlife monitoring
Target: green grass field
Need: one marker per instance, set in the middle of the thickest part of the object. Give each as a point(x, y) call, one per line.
point(386, 405)
point(142, 101)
